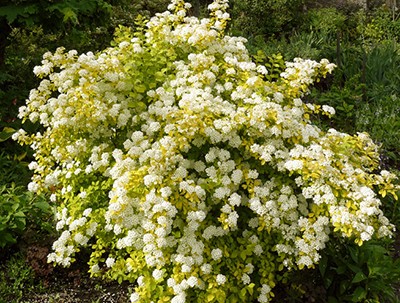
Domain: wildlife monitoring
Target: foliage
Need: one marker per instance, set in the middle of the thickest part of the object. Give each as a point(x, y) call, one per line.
point(31, 35)
point(30, 28)
point(19, 209)
point(381, 25)
point(179, 164)
point(30, 12)
point(16, 278)
point(382, 121)
point(315, 37)
point(324, 20)
point(346, 101)
point(274, 63)
point(27, 14)
point(34, 27)
point(365, 95)
point(364, 89)
point(265, 18)
point(352, 273)
point(14, 169)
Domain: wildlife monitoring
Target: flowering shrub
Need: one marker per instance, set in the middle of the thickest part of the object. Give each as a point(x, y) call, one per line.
point(182, 168)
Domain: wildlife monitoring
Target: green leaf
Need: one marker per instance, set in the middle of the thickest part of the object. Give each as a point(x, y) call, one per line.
point(323, 263)
point(232, 299)
point(67, 10)
point(359, 295)
point(250, 288)
point(341, 269)
point(221, 297)
point(343, 287)
point(354, 253)
point(43, 206)
point(354, 268)
point(140, 88)
point(6, 238)
point(31, 9)
point(15, 205)
point(69, 15)
point(332, 300)
point(11, 12)
point(19, 13)
point(234, 254)
point(243, 293)
point(6, 133)
point(19, 214)
point(210, 297)
point(20, 157)
point(328, 281)
point(375, 271)
point(20, 223)
point(360, 276)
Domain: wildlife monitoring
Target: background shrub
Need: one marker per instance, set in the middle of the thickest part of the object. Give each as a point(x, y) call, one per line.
point(246, 173)
point(363, 90)
point(20, 209)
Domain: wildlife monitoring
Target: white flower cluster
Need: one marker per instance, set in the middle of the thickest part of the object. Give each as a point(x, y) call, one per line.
point(77, 233)
point(301, 72)
point(173, 172)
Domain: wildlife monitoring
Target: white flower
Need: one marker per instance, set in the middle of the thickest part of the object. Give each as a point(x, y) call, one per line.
point(258, 250)
point(294, 165)
point(237, 176)
point(246, 279)
point(81, 239)
point(220, 279)
point(33, 165)
point(305, 260)
point(192, 281)
point(148, 238)
point(186, 268)
point(216, 254)
point(157, 274)
point(140, 281)
point(180, 298)
point(249, 268)
point(262, 69)
point(234, 199)
point(134, 297)
point(252, 174)
point(87, 212)
point(53, 197)
point(110, 262)
point(206, 268)
point(328, 109)
point(60, 225)
point(33, 187)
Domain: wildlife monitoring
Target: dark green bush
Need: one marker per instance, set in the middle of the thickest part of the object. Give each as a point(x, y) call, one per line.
point(20, 210)
point(352, 273)
point(264, 18)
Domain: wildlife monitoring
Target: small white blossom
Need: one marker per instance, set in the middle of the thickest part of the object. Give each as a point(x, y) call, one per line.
point(216, 254)
point(110, 262)
point(157, 274)
point(134, 297)
point(221, 279)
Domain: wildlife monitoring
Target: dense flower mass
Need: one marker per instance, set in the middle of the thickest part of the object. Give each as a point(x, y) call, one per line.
point(183, 169)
